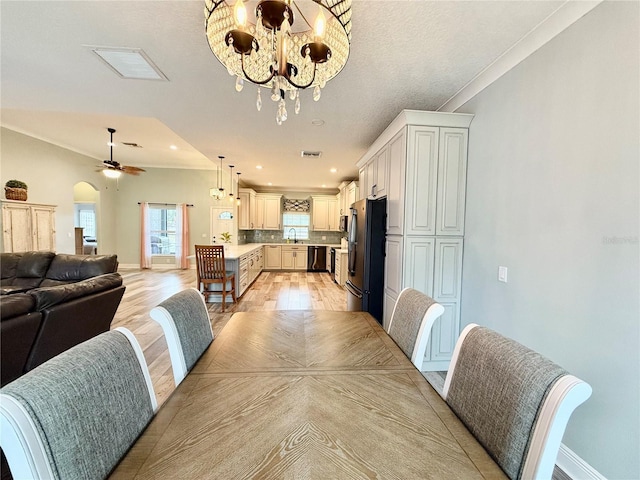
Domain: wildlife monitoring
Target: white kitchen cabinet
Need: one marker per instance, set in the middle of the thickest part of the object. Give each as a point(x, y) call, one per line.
point(294, 257)
point(272, 257)
point(247, 268)
point(425, 190)
point(352, 196)
point(392, 274)
point(324, 213)
point(247, 209)
point(268, 211)
point(421, 180)
point(342, 268)
point(376, 174)
point(452, 181)
point(395, 196)
point(28, 226)
point(362, 180)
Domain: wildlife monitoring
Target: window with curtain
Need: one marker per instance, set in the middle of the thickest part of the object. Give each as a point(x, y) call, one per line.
point(296, 226)
point(162, 229)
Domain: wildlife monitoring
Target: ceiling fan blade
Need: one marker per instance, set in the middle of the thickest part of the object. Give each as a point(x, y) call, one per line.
point(132, 170)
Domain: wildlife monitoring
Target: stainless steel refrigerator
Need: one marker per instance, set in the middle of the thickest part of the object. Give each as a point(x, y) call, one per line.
point(365, 281)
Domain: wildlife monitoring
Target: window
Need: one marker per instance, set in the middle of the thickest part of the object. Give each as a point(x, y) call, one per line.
point(296, 226)
point(162, 229)
point(86, 218)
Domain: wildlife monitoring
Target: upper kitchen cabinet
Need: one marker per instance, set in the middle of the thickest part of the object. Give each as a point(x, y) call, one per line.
point(426, 159)
point(247, 209)
point(268, 211)
point(375, 174)
point(324, 213)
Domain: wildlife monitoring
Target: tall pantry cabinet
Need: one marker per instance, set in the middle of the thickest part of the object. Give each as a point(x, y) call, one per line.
point(425, 186)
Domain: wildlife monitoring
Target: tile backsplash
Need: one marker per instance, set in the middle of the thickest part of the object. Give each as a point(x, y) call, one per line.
point(276, 236)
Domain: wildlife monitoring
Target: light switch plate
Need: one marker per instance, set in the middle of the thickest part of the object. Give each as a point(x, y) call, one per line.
point(502, 274)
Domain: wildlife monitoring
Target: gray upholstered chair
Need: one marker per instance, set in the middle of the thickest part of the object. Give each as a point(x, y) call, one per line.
point(77, 415)
point(513, 400)
point(185, 321)
point(411, 323)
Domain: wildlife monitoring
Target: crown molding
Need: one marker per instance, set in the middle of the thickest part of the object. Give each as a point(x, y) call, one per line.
point(563, 17)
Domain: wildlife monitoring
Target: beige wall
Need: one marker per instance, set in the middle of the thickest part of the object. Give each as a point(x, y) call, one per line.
point(51, 173)
point(553, 183)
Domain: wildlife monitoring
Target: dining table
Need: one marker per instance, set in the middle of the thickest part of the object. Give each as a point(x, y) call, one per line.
point(305, 395)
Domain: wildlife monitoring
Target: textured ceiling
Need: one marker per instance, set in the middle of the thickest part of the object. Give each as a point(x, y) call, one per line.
point(404, 55)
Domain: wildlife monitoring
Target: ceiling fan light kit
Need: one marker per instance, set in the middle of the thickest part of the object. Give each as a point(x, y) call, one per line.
point(271, 54)
point(113, 169)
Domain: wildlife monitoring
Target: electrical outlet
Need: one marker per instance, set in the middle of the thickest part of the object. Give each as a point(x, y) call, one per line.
point(502, 274)
point(272, 237)
point(204, 235)
point(324, 237)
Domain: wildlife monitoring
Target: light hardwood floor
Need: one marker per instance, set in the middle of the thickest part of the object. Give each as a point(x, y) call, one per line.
point(270, 291)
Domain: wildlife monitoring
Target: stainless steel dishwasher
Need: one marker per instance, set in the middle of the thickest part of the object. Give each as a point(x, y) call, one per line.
point(316, 259)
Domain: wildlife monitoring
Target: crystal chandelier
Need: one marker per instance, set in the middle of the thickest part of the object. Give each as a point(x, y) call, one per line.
point(271, 53)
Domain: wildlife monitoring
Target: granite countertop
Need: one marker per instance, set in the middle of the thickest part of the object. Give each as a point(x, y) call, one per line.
point(233, 252)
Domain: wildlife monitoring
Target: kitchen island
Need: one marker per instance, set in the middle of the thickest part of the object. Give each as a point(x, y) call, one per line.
point(247, 261)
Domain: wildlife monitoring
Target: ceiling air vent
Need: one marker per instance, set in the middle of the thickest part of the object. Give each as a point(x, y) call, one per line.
point(131, 144)
point(309, 154)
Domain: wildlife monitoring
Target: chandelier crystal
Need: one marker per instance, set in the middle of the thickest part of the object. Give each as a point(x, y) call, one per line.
point(270, 52)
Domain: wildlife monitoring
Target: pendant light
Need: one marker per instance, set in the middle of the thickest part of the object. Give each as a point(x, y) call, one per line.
point(231, 184)
point(238, 184)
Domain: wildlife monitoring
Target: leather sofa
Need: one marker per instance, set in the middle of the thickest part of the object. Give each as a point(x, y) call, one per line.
point(50, 303)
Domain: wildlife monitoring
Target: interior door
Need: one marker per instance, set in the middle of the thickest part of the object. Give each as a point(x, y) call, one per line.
point(222, 222)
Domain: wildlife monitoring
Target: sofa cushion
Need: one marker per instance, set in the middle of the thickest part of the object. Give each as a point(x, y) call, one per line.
point(8, 267)
point(46, 297)
point(16, 304)
point(73, 268)
point(32, 268)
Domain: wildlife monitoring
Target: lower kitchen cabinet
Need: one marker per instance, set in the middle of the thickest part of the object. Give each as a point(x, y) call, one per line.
point(272, 257)
point(341, 267)
point(294, 257)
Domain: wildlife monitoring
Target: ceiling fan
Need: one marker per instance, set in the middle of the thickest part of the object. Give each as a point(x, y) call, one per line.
point(113, 169)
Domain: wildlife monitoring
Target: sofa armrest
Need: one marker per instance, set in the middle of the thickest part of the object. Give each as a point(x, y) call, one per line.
point(46, 297)
point(69, 323)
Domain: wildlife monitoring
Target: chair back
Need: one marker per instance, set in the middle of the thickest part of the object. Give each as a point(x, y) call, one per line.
point(210, 261)
point(184, 319)
point(76, 415)
point(513, 400)
point(411, 322)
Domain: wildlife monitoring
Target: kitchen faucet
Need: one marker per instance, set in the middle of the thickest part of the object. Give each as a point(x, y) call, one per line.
point(295, 236)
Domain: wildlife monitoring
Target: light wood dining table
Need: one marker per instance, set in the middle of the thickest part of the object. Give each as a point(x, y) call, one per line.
point(305, 395)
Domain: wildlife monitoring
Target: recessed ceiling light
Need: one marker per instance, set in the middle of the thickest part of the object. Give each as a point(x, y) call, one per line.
point(259, 167)
point(131, 63)
point(269, 183)
point(317, 122)
point(324, 186)
point(173, 147)
point(333, 170)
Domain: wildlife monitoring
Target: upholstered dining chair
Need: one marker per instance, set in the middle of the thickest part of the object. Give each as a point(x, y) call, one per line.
point(76, 415)
point(185, 322)
point(411, 322)
point(516, 402)
point(211, 270)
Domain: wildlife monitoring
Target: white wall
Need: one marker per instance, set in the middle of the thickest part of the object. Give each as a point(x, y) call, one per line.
point(553, 183)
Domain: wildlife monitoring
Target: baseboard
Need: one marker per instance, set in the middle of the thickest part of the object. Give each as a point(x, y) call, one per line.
point(574, 466)
point(155, 266)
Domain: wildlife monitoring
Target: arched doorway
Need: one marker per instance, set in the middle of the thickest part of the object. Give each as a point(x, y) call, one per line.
point(86, 218)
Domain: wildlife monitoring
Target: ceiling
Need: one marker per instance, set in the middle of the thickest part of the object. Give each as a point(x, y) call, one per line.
point(404, 55)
